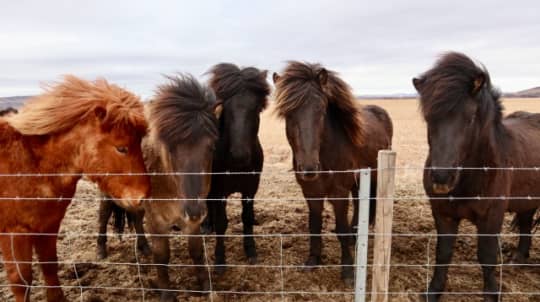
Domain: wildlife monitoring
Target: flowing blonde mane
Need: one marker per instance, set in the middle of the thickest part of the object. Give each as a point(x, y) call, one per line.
point(67, 103)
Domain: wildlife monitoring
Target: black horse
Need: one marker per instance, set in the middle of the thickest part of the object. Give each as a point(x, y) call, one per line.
point(244, 93)
point(466, 128)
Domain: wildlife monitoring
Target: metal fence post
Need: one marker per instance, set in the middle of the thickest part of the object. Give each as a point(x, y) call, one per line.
point(362, 232)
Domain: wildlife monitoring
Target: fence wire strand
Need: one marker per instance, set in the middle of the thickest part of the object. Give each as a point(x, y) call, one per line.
point(428, 266)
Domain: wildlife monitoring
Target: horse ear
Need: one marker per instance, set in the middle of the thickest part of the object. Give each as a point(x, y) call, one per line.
point(264, 74)
point(218, 109)
point(417, 83)
point(478, 83)
point(100, 112)
point(322, 76)
point(275, 77)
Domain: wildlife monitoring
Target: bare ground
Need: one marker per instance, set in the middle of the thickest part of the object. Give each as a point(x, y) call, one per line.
point(119, 279)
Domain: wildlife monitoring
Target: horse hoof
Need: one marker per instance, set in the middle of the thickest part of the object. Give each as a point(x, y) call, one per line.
point(518, 258)
point(311, 263)
point(252, 260)
point(204, 287)
point(206, 230)
point(349, 281)
point(347, 275)
point(220, 269)
point(427, 297)
point(101, 253)
point(145, 250)
point(167, 297)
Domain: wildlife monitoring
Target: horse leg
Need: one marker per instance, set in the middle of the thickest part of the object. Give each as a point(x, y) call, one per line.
point(18, 248)
point(105, 212)
point(356, 209)
point(161, 252)
point(207, 226)
point(248, 219)
point(221, 227)
point(524, 221)
point(447, 228)
point(142, 243)
point(46, 251)
point(372, 201)
point(488, 250)
point(315, 226)
point(342, 227)
point(196, 252)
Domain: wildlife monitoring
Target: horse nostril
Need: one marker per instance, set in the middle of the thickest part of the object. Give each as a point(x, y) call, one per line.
point(441, 176)
point(175, 228)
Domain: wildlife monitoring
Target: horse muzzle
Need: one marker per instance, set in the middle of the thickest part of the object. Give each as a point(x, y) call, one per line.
point(441, 188)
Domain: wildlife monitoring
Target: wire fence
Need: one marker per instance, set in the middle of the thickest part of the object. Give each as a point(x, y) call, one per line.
point(283, 258)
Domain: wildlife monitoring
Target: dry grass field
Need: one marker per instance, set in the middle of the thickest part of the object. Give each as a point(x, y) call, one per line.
point(410, 255)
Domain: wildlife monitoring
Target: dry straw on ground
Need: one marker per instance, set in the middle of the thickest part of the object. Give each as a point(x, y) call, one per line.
point(411, 216)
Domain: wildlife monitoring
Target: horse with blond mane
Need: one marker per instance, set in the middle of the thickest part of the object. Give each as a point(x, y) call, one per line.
point(74, 128)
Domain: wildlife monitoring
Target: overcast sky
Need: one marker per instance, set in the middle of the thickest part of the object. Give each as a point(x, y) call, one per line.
point(377, 46)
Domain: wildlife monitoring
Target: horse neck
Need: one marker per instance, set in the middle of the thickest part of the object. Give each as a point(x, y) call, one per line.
point(334, 141)
point(59, 153)
point(489, 146)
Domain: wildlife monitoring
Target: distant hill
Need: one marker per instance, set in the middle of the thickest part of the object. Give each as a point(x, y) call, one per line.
point(12, 101)
point(528, 93)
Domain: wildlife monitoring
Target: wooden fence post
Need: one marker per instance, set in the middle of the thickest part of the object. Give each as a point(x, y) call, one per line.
point(383, 225)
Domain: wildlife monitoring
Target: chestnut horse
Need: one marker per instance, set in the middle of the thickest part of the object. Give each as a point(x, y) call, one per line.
point(327, 130)
point(75, 128)
point(244, 95)
point(466, 129)
point(183, 134)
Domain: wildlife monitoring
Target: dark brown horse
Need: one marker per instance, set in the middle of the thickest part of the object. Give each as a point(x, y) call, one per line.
point(244, 95)
point(466, 129)
point(327, 130)
point(183, 134)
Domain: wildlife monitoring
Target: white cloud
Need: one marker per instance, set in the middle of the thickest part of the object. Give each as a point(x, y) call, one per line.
point(377, 47)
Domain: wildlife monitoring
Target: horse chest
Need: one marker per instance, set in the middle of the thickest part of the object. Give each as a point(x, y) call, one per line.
point(471, 209)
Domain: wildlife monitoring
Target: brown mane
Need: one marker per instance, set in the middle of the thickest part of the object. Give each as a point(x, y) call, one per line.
point(63, 105)
point(182, 112)
point(298, 85)
point(228, 79)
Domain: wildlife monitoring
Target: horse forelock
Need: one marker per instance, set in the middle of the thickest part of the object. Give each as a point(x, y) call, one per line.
point(228, 80)
point(183, 112)
point(448, 84)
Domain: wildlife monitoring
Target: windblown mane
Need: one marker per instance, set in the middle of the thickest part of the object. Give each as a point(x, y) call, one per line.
point(182, 112)
point(299, 85)
point(7, 111)
point(445, 88)
point(228, 79)
point(63, 105)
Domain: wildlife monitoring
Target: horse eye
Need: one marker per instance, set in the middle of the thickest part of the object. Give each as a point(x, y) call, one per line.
point(122, 149)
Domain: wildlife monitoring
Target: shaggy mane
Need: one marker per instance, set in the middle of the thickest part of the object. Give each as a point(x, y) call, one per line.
point(447, 85)
point(228, 80)
point(183, 111)
point(63, 105)
point(298, 86)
